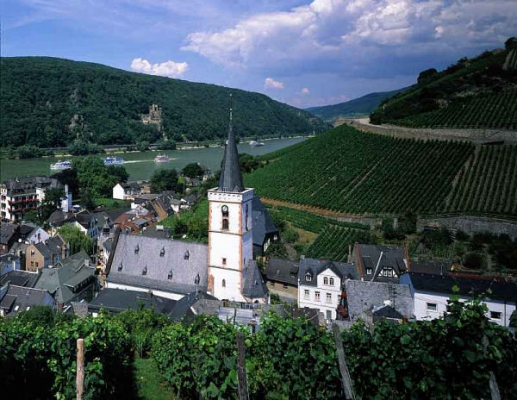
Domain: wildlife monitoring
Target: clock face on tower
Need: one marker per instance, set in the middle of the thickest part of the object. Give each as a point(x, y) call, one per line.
point(225, 208)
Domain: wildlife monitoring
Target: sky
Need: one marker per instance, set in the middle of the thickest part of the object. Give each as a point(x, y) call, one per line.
point(304, 53)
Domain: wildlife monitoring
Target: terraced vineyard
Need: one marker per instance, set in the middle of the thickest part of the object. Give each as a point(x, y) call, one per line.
point(333, 242)
point(312, 222)
point(349, 171)
point(352, 172)
point(489, 184)
point(494, 111)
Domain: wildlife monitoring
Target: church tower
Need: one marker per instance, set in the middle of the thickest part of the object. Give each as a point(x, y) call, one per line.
point(230, 236)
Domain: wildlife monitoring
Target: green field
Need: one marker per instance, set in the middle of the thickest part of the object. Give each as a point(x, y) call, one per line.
point(352, 172)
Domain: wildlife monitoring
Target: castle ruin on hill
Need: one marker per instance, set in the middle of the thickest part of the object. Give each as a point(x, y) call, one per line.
point(154, 117)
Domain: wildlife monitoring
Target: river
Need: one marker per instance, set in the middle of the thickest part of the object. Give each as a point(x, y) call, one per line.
point(141, 165)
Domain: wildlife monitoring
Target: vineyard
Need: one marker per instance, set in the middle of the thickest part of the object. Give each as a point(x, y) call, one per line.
point(287, 358)
point(496, 111)
point(489, 184)
point(312, 222)
point(334, 241)
point(349, 171)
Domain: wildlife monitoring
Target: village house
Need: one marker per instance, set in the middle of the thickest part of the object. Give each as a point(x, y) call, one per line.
point(71, 280)
point(9, 234)
point(8, 263)
point(31, 233)
point(380, 263)
point(20, 195)
point(126, 191)
point(321, 284)
point(15, 299)
point(431, 293)
point(45, 254)
point(264, 230)
point(282, 278)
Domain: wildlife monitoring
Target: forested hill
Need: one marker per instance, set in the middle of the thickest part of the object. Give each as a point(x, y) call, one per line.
point(354, 108)
point(480, 92)
point(48, 102)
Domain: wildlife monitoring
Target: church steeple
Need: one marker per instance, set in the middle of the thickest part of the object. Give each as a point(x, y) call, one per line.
point(231, 177)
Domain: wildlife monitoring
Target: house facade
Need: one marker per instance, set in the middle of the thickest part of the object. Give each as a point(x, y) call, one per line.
point(282, 278)
point(377, 263)
point(45, 254)
point(431, 294)
point(321, 285)
point(20, 195)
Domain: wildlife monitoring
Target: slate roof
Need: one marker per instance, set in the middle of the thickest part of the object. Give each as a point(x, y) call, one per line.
point(254, 286)
point(182, 308)
point(263, 224)
point(114, 214)
point(118, 300)
point(15, 299)
point(26, 229)
point(431, 267)
point(58, 217)
point(467, 286)
point(134, 253)
point(315, 267)
point(28, 184)
point(153, 231)
point(7, 231)
point(280, 270)
point(6, 261)
point(50, 246)
point(61, 280)
point(363, 296)
point(231, 177)
point(19, 278)
point(392, 257)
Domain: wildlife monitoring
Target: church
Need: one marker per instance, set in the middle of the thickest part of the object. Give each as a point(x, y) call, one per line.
point(224, 268)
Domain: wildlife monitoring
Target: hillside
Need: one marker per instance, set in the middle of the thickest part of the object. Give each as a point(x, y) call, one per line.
point(352, 172)
point(473, 93)
point(48, 102)
point(354, 108)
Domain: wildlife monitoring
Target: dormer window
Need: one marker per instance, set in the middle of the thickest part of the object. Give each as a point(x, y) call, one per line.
point(368, 271)
point(120, 267)
point(308, 277)
point(325, 281)
point(144, 271)
point(187, 255)
point(331, 281)
point(197, 279)
point(162, 252)
point(137, 249)
point(169, 277)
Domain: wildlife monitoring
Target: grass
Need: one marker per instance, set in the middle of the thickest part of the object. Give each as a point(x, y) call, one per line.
point(148, 381)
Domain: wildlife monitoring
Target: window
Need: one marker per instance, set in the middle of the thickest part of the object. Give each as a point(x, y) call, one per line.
point(285, 286)
point(308, 277)
point(325, 281)
point(432, 307)
point(329, 314)
point(225, 213)
point(169, 277)
point(331, 280)
point(162, 252)
point(144, 271)
point(316, 296)
point(224, 282)
point(32, 263)
point(137, 249)
point(187, 255)
point(495, 315)
point(387, 272)
point(224, 261)
point(197, 279)
point(225, 224)
point(329, 297)
point(120, 267)
point(368, 271)
point(306, 294)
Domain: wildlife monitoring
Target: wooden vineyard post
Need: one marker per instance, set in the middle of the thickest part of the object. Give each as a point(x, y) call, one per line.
point(343, 369)
point(80, 368)
point(241, 368)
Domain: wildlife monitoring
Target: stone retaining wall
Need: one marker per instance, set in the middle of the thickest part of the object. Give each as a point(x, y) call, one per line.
point(471, 225)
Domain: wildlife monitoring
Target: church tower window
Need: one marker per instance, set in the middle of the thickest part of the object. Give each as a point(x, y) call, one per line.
point(224, 283)
point(225, 214)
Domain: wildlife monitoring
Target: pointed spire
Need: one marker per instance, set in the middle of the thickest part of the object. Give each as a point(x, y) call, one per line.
point(231, 177)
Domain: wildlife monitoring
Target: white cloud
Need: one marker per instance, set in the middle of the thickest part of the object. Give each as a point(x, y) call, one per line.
point(305, 91)
point(171, 69)
point(346, 35)
point(272, 84)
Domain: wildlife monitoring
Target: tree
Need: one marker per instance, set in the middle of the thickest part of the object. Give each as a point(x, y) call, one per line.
point(193, 170)
point(248, 163)
point(474, 260)
point(119, 172)
point(51, 202)
point(94, 175)
point(76, 239)
point(164, 179)
point(426, 75)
